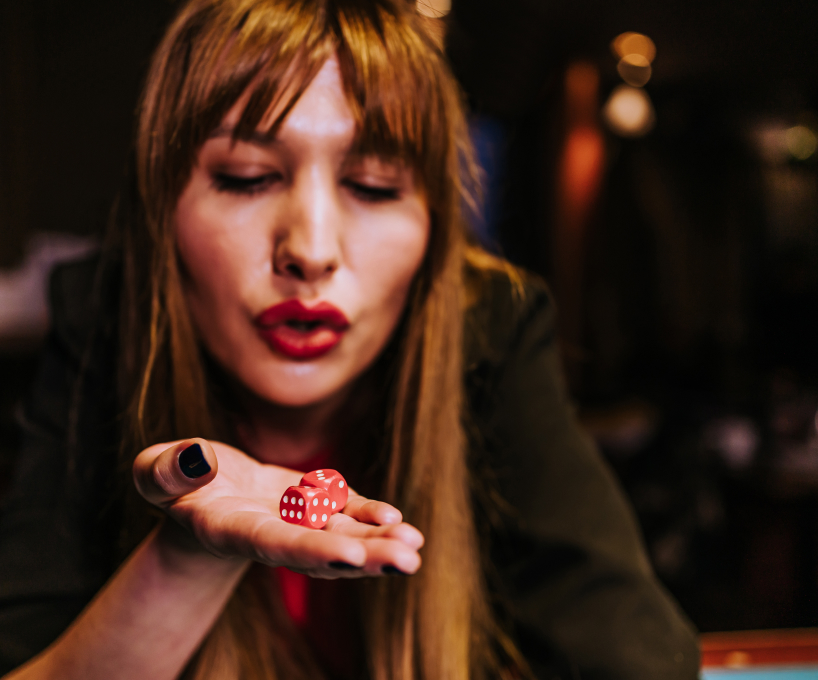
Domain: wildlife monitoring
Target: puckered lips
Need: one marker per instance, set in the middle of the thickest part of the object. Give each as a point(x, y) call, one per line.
point(301, 332)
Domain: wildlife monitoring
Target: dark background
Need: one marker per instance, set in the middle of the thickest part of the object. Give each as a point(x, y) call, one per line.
point(695, 365)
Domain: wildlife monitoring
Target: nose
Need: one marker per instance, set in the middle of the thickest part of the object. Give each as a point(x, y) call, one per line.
point(307, 246)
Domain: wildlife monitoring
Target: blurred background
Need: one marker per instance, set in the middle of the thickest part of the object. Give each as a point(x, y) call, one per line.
point(657, 163)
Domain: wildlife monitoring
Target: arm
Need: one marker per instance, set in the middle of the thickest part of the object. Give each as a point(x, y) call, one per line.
point(148, 620)
point(57, 543)
point(570, 569)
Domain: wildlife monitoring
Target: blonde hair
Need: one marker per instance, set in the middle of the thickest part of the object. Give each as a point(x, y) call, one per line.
point(438, 623)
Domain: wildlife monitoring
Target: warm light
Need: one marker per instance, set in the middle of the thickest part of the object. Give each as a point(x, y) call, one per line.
point(779, 142)
point(801, 142)
point(629, 112)
point(434, 8)
point(630, 43)
point(634, 69)
point(582, 92)
point(583, 160)
point(770, 138)
point(737, 659)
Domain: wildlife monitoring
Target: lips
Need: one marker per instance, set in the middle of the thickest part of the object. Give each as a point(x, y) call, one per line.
point(300, 332)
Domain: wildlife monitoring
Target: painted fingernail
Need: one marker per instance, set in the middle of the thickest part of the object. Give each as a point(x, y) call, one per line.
point(192, 462)
point(390, 570)
point(344, 566)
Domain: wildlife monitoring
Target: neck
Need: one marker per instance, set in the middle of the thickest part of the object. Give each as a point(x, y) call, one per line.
point(288, 436)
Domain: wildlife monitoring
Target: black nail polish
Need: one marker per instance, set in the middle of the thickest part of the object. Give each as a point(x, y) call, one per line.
point(390, 570)
point(192, 462)
point(343, 566)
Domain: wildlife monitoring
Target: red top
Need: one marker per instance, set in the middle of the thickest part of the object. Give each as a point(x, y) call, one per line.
point(321, 609)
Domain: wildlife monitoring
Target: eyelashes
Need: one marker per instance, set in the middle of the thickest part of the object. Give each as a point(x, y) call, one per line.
point(372, 194)
point(234, 184)
point(249, 186)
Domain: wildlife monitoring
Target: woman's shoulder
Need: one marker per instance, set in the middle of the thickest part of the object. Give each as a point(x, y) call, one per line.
point(504, 302)
point(74, 384)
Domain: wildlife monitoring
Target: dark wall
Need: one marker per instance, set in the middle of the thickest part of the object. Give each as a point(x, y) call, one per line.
point(70, 74)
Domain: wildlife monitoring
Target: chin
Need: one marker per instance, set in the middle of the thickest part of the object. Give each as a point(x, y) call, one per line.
point(296, 384)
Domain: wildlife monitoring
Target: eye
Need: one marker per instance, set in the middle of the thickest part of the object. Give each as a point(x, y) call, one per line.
point(235, 184)
point(372, 194)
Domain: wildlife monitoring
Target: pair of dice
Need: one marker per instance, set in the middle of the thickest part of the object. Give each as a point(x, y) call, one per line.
point(320, 495)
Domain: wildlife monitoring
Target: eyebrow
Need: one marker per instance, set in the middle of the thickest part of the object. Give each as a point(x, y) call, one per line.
point(263, 140)
point(256, 137)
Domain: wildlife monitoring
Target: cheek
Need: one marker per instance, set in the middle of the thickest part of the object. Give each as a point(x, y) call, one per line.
point(221, 253)
point(387, 262)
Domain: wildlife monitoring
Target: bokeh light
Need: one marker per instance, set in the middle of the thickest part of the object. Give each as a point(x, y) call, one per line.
point(801, 142)
point(634, 69)
point(630, 43)
point(434, 8)
point(629, 112)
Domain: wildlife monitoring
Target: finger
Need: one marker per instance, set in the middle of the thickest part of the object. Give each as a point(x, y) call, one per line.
point(386, 556)
point(267, 539)
point(403, 532)
point(162, 475)
point(323, 554)
point(372, 512)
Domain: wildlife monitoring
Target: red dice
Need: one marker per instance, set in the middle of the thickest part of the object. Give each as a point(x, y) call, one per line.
point(305, 505)
point(333, 483)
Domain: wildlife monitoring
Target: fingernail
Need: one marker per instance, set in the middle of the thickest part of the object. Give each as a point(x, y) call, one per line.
point(390, 570)
point(344, 566)
point(192, 462)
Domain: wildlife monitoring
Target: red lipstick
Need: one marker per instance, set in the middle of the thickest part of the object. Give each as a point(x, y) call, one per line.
point(302, 332)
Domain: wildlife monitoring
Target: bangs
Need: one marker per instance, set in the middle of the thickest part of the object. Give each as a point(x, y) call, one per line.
point(268, 52)
point(392, 71)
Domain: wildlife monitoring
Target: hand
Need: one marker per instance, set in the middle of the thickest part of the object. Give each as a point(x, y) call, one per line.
point(232, 511)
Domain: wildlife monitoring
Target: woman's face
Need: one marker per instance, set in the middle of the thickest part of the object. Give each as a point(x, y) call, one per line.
point(298, 256)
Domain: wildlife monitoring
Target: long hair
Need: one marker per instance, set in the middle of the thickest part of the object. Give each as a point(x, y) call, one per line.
point(437, 623)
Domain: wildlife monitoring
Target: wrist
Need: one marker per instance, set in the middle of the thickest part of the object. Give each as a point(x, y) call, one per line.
point(179, 550)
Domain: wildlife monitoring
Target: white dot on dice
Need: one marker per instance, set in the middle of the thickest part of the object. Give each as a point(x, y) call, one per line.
point(326, 501)
point(313, 517)
point(286, 500)
point(315, 501)
point(299, 514)
point(323, 518)
point(301, 501)
point(334, 504)
point(291, 513)
point(341, 484)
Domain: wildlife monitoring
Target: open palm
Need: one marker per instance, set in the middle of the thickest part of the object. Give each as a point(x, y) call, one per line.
point(232, 511)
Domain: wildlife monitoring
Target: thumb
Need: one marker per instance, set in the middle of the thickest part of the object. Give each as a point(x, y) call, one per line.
point(163, 474)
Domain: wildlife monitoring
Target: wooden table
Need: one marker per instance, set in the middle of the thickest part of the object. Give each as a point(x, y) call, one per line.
point(761, 655)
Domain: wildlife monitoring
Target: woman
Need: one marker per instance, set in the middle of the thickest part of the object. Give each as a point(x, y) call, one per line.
point(295, 282)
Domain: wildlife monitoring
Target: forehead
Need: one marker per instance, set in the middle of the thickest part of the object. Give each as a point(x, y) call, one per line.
point(321, 114)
